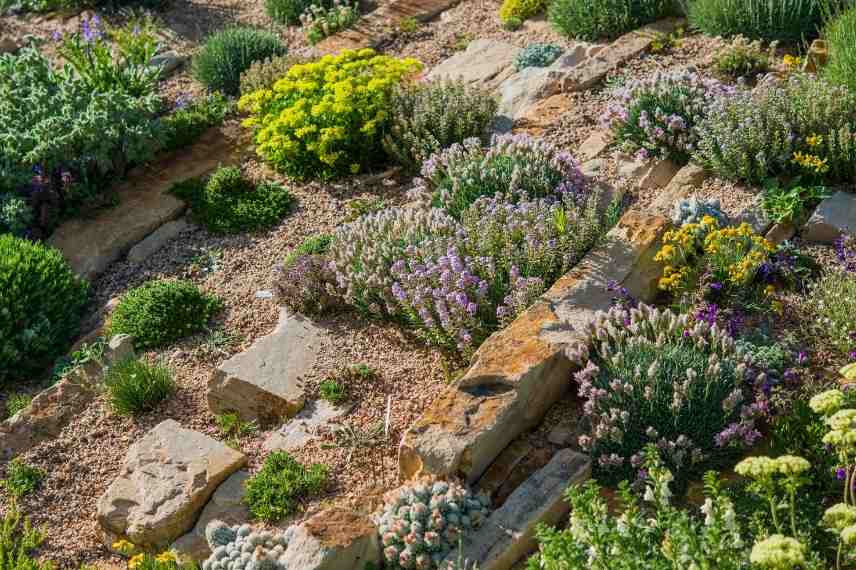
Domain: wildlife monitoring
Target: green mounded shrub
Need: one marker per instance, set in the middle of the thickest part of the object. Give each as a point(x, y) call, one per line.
point(263, 74)
point(41, 303)
point(187, 123)
point(784, 20)
point(17, 402)
point(21, 479)
point(288, 12)
point(840, 34)
point(229, 203)
point(276, 490)
point(596, 19)
point(136, 386)
point(16, 215)
point(429, 117)
point(520, 9)
point(313, 245)
point(229, 53)
point(158, 313)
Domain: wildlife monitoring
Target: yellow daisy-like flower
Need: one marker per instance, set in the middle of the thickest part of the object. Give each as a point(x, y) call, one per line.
point(814, 140)
point(136, 560)
point(166, 556)
point(123, 546)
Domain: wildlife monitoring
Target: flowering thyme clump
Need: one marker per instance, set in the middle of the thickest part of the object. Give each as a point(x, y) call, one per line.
point(658, 115)
point(656, 377)
point(421, 524)
point(513, 165)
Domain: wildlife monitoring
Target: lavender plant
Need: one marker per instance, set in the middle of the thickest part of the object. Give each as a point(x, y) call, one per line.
point(845, 251)
point(515, 165)
point(429, 117)
point(656, 377)
point(422, 523)
point(658, 115)
point(805, 127)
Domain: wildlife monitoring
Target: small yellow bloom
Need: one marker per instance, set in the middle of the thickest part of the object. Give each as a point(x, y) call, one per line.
point(123, 546)
point(166, 556)
point(136, 560)
point(814, 140)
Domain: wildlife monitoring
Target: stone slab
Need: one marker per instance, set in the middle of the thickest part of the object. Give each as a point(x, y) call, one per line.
point(522, 370)
point(156, 240)
point(305, 426)
point(499, 471)
point(834, 216)
point(91, 245)
point(167, 478)
point(509, 532)
point(334, 539)
point(265, 383)
point(485, 63)
point(681, 186)
point(227, 505)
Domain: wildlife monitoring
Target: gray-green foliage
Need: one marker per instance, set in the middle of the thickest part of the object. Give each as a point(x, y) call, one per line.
point(436, 516)
point(692, 210)
point(596, 19)
point(429, 117)
point(537, 55)
point(788, 20)
point(52, 118)
point(841, 37)
point(241, 548)
point(229, 53)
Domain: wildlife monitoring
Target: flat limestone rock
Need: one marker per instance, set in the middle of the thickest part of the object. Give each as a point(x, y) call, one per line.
point(156, 240)
point(833, 217)
point(167, 478)
point(302, 428)
point(485, 63)
point(522, 370)
point(509, 532)
point(227, 504)
point(265, 383)
point(334, 539)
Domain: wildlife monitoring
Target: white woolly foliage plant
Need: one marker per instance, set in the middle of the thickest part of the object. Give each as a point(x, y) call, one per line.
point(241, 548)
point(421, 524)
point(692, 210)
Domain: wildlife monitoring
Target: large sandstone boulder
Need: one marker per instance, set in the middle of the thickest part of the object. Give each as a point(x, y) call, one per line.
point(265, 383)
point(834, 216)
point(227, 505)
point(485, 63)
point(509, 533)
point(335, 539)
point(166, 479)
point(522, 370)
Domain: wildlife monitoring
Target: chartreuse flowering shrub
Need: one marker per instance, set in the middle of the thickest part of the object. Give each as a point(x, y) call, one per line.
point(422, 523)
point(656, 377)
point(327, 118)
point(520, 9)
point(513, 165)
point(603, 19)
point(805, 127)
point(41, 303)
point(160, 312)
point(229, 53)
point(428, 117)
point(263, 74)
point(727, 261)
point(229, 203)
point(537, 55)
point(786, 20)
point(658, 115)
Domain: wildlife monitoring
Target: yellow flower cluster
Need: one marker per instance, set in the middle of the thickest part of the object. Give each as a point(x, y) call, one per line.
point(738, 252)
point(814, 140)
point(778, 552)
point(827, 403)
point(680, 247)
point(167, 560)
point(326, 117)
point(792, 61)
point(811, 162)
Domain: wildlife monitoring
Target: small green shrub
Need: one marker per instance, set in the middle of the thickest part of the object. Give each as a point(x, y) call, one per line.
point(319, 22)
point(313, 245)
point(17, 402)
point(785, 20)
point(158, 313)
point(186, 124)
point(22, 479)
point(840, 35)
point(359, 207)
point(288, 12)
point(135, 386)
point(744, 58)
point(520, 9)
point(409, 25)
point(429, 117)
point(41, 302)
point(19, 542)
point(229, 203)
point(512, 24)
point(275, 491)
point(263, 74)
point(537, 55)
point(229, 53)
point(792, 203)
point(597, 19)
point(333, 391)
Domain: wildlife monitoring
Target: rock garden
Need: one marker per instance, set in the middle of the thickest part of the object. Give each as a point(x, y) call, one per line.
point(428, 284)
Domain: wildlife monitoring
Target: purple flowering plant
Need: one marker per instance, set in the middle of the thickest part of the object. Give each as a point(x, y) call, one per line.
point(656, 377)
point(845, 250)
point(657, 116)
point(512, 165)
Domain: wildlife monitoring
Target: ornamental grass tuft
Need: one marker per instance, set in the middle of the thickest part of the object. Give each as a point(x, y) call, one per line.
point(135, 386)
point(229, 53)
